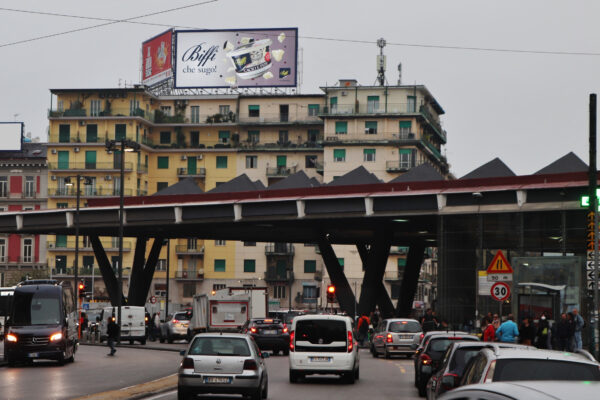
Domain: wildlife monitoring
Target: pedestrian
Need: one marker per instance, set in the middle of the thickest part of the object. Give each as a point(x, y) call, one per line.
point(496, 321)
point(156, 325)
point(508, 331)
point(571, 339)
point(375, 318)
point(429, 321)
point(543, 330)
point(563, 333)
point(526, 332)
point(489, 333)
point(579, 324)
point(363, 329)
point(112, 331)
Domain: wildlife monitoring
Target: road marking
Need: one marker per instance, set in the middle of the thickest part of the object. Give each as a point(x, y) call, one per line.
point(161, 395)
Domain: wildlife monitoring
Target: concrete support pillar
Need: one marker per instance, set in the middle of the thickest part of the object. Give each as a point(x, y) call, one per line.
point(382, 298)
point(138, 269)
point(408, 288)
point(149, 269)
point(108, 274)
point(344, 293)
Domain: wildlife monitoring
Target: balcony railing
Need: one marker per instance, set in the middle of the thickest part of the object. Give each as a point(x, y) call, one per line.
point(397, 166)
point(190, 275)
point(84, 166)
point(273, 275)
point(280, 171)
point(185, 250)
point(112, 112)
point(284, 249)
point(370, 108)
point(424, 110)
point(198, 172)
point(142, 168)
point(278, 118)
point(92, 192)
point(392, 276)
point(70, 246)
point(83, 271)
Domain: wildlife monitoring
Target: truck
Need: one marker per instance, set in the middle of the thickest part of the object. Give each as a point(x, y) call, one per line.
point(227, 309)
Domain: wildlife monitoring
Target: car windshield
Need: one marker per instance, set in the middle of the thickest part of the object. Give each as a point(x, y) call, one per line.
point(404, 326)
point(321, 331)
point(461, 358)
point(544, 370)
point(442, 344)
point(36, 308)
point(219, 346)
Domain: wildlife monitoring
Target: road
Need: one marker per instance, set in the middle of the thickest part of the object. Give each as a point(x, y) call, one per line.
point(379, 379)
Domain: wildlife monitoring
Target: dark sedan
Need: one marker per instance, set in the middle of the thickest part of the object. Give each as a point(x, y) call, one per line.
point(269, 334)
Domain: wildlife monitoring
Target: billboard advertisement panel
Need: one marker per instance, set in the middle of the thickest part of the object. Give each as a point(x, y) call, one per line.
point(236, 58)
point(157, 58)
point(11, 136)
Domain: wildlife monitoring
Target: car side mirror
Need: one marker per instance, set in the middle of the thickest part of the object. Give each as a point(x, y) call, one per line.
point(448, 381)
point(182, 353)
point(264, 355)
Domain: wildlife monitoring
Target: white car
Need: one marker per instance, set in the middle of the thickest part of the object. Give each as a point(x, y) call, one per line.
point(176, 328)
point(323, 344)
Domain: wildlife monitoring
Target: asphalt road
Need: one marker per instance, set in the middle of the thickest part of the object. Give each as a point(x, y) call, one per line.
point(379, 379)
point(92, 372)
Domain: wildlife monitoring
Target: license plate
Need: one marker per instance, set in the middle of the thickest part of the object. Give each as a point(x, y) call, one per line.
point(269, 332)
point(406, 337)
point(320, 359)
point(217, 379)
point(33, 355)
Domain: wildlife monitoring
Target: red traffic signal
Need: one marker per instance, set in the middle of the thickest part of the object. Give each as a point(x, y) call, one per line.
point(81, 289)
point(81, 286)
point(330, 293)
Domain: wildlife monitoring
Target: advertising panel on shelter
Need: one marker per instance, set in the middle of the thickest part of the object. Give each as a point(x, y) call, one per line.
point(11, 136)
point(157, 58)
point(236, 58)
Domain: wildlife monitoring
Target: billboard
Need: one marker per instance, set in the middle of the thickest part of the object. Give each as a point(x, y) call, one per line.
point(11, 136)
point(157, 58)
point(236, 58)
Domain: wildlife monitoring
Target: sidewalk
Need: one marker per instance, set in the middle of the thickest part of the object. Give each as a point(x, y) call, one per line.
point(138, 391)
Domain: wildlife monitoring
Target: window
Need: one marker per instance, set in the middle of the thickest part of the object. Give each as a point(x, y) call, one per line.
point(369, 155)
point(371, 127)
point(63, 160)
point(194, 139)
point(88, 262)
point(404, 129)
point(165, 138)
point(281, 163)
point(166, 110)
point(309, 292)
point(224, 109)
point(27, 250)
point(283, 137)
point(372, 104)
point(341, 262)
point(310, 266)
point(313, 135)
point(161, 265)
point(219, 286)
point(279, 292)
point(253, 111)
point(189, 289)
point(90, 160)
point(60, 106)
point(60, 264)
point(219, 265)
point(224, 136)
point(62, 205)
point(161, 185)
point(134, 106)
point(313, 110)
point(220, 242)
point(333, 103)
point(341, 127)
point(29, 187)
point(339, 155)
point(2, 250)
point(120, 131)
point(251, 161)
point(3, 186)
point(192, 244)
point(405, 158)
point(91, 133)
point(411, 104)
point(64, 133)
point(249, 244)
point(221, 161)
point(163, 162)
point(253, 136)
point(249, 265)
point(310, 162)
point(195, 114)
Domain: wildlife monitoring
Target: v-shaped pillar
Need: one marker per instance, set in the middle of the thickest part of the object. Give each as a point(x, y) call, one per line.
point(410, 280)
point(143, 270)
point(386, 307)
point(106, 269)
point(343, 291)
point(374, 259)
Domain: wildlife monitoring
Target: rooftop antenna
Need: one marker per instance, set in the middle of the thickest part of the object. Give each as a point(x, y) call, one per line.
point(400, 74)
point(381, 62)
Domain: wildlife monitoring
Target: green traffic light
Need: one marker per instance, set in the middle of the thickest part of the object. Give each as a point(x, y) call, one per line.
point(584, 201)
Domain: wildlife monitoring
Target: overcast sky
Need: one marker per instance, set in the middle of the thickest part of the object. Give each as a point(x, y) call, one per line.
point(528, 109)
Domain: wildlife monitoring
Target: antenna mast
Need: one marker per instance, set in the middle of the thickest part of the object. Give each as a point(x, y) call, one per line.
point(381, 62)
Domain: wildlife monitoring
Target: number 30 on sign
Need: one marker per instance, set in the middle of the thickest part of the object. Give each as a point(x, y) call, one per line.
point(500, 291)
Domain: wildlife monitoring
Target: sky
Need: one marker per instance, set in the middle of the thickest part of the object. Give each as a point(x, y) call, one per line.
point(528, 106)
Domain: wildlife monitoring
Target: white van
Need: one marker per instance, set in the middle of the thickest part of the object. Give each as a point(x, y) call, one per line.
point(323, 344)
point(133, 323)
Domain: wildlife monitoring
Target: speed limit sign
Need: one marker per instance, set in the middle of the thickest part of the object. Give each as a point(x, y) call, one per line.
point(500, 291)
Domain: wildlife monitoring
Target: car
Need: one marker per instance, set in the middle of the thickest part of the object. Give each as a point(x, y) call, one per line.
point(323, 344)
point(222, 363)
point(430, 358)
point(176, 327)
point(269, 334)
point(457, 357)
point(424, 339)
point(395, 336)
point(512, 364)
point(530, 390)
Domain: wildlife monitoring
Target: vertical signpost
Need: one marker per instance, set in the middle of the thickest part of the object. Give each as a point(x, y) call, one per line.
point(593, 209)
point(500, 272)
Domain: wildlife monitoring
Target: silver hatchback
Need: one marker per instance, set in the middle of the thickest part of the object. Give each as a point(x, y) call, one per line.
point(396, 336)
point(227, 363)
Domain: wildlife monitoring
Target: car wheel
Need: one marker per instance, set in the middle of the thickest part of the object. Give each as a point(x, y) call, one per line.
point(265, 391)
point(61, 360)
point(374, 352)
point(182, 394)
point(131, 342)
point(162, 340)
point(293, 376)
point(422, 390)
point(169, 339)
point(349, 377)
point(286, 352)
point(357, 373)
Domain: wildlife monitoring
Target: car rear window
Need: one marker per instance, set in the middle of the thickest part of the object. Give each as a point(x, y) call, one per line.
point(461, 358)
point(404, 326)
point(182, 316)
point(442, 344)
point(219, 346)
point(544, 370)
point(320, 331)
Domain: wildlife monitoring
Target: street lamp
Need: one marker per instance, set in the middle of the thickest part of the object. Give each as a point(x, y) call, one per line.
point(122, 145)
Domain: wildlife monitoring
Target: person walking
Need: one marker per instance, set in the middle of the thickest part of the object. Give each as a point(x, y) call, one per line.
point(363, 329)
point(541, 339)
point(508, 331)
point(526, 332)
point(489, 333)
point(563, 333)
point(429, 321)
point(496, 321)
point(579, 324)
point(112, 331)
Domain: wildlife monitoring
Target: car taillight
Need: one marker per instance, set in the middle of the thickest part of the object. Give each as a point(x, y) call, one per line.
point(253, 330)
point(11, 338)
point(146, 319)
point(285, 328)
point(175, 321)
point(425, 359)
point(490, 372)
point(292, 341)
point(187, 363)
point(455, 377)
point(389, 338)
point(250, 365)
point(422, 335)
point(350, 342)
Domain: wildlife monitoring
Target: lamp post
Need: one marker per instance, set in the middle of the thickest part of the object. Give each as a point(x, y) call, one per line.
point(121, 145)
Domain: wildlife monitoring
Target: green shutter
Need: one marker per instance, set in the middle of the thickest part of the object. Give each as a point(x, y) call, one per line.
point(405, 124)
point(64, 133)
point(249, 265)
point(120, 131)
point(341, 127)
point(221, 161)
point(90, 160)
point(63, 160)
point(313, 107)
point(405, 151)
point(281, 268)
point(341, 262)
point(281, 161)
point(191, 165)
point(369, 151)
point(253, 107)
point(371, 125)
point(219, 265)
point(223, 135)
point(163, 162)
point(61, 240)
point(401, 262)
point(91, 133)
point(339, 154)
point(372, 98)
point(310, 266)
point(333, 101)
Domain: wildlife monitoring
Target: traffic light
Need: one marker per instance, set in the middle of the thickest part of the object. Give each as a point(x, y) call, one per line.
point(81, 289)
point(330, 293)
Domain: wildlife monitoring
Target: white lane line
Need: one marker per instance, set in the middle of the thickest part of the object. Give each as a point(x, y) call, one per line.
point(161, 395)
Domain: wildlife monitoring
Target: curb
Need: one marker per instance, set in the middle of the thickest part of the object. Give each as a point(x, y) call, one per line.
point(139, 391)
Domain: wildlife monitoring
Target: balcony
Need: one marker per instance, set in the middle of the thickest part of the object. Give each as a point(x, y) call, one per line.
point(182, 249)
point(392, 276)
point(142, 168)
point(92, 192)
point(191, 173)
point(279, 249)
point(190, 275)
point(87, 272)
point(70, 246)
point(280, 171)
point(83, 166)
point(319, 275)
point(273, 275)
point(111, 112)
point(279, 119)
point(398, 166)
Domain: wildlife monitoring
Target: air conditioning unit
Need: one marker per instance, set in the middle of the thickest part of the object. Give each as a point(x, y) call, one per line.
point(344, 93)
point(53, 151)
point(183, 158)
point(199, 157)
point(82, 123)
point(53, 177)
point(76, 149)
point(108, 178)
